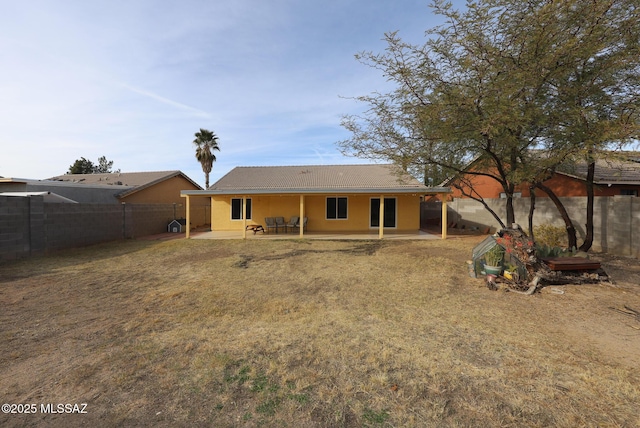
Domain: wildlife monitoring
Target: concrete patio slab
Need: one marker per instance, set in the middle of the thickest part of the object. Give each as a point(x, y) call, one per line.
point(311, 235)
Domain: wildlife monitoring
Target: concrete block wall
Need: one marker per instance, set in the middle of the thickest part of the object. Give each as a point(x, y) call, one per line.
point(619, 234)
point(149, 219)
point(37, 236)
point(14, 227)
point(28, 226)
point(616, 218)
point(77, 225)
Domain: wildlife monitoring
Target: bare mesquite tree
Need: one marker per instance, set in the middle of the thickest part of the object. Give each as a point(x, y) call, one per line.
point(501, 78)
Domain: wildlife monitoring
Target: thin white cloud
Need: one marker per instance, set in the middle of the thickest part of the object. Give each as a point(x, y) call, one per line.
point(135, 80)
point(197, 112)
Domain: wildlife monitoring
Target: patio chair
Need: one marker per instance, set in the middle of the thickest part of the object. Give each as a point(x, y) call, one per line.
point(280, 224)
point(271, 224)
point(292, 222)
point(304, 224)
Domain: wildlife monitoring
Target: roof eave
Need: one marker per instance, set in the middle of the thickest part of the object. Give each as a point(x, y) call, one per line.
point(601, 181)
point(395, 190)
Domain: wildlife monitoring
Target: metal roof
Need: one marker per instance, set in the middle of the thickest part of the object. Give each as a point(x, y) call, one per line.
point(129, 182)
point(317, 179)
point(130, 179)
point(47, 196)
point(607, 171)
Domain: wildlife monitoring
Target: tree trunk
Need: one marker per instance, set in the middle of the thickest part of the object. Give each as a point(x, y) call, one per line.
point(511, 217)
point(571, 231)
point(532, 207)
point(508, 191)
point(588, 239)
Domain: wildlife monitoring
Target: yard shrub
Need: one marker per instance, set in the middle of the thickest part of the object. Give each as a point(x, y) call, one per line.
point(550, 236)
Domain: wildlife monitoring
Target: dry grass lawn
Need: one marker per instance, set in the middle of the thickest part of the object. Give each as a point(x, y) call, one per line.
point(311, 334)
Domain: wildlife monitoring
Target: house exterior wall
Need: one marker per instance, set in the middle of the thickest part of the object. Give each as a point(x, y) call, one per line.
point(565, 186)
point(165, 192)
point(13, 187)
point(358, 212)
point(168, 192)
point(562, 185)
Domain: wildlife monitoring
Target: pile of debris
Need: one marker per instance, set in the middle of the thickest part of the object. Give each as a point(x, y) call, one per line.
point(526, 272)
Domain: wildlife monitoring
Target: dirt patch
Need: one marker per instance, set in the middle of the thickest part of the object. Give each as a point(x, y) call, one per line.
point(361, 249)
point(326, 333)
point(590, 309)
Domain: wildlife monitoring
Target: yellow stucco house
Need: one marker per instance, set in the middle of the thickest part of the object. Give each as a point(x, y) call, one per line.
point(333, 198)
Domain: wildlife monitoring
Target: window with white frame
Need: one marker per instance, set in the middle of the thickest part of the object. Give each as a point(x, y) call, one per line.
point(336, 208)
point(236, 209)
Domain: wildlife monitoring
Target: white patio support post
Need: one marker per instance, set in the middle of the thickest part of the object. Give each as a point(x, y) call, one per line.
point(211, 199)
point(444, 216)
point(301, 220)
point(381, 225)
point(244, 217)
point(188, 209)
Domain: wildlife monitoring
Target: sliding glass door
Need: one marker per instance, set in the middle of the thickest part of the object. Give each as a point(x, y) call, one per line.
point(389, 212)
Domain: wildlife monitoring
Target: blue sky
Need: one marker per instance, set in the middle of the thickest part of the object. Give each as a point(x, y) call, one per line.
point(133, 80)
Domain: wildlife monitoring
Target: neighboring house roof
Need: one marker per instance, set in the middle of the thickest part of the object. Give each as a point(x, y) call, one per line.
point(317, 179)
point(624, 169)
point(95, 188)
point(47, 196)
point(130, 182)
point(83, 193)
point(617, 171)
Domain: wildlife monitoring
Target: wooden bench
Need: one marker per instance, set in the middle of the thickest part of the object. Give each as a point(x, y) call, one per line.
point(571, 263)
point(256, 228)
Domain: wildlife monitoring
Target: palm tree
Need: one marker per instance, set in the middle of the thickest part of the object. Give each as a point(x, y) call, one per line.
point(206, 141)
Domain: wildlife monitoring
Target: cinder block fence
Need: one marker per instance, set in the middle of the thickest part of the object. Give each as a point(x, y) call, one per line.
point(616, 218)
point(29, 226)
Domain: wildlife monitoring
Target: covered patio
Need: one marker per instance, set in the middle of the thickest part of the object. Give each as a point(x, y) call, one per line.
point(420, 235)
point(339, 202)
point(380, 233)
